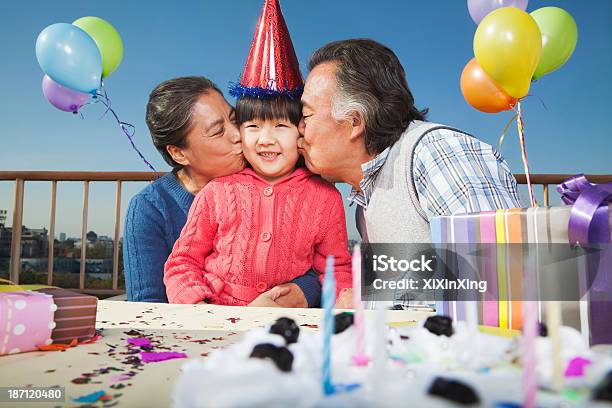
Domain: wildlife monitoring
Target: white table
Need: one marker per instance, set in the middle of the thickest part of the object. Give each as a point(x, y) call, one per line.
point(193, 329)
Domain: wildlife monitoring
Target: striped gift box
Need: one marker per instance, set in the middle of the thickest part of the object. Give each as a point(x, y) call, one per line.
point(75, 317)
point(504, 266)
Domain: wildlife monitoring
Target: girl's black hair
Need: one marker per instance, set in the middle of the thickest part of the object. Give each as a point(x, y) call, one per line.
point(277, 107)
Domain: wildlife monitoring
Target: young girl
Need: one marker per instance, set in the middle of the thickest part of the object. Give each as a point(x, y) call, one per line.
point(266, 225)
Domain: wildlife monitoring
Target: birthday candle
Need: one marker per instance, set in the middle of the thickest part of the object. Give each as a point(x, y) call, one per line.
point(359, 358)
point(329, 298)
point(530, 334)
point(471, 315)
point(380, 352)
point(553, 311)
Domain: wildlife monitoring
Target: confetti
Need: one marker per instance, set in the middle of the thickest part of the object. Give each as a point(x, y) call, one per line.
point(233, 319)
point(139, 341)
point(93, 397)
point(203, 341)
point(576, 366)
point(152, 357)
point(120, 377)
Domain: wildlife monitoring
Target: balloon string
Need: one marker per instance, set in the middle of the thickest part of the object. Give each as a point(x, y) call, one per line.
point(521, 132)
point(501, 139)
point(539, 99)
point(127, 128)
point(105, 98)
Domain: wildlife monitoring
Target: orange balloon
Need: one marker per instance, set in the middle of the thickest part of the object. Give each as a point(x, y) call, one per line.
point(480, 91)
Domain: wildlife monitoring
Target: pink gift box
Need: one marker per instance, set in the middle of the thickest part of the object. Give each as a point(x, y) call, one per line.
point(26, 321)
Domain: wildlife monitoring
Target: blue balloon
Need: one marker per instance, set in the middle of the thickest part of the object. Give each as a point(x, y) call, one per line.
point(70, 57)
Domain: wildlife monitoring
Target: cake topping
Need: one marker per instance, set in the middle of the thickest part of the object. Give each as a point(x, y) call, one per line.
point(286, 328)
point(603, 392)
point(344, 320)
point(439, 325)
point(281, 356)
point(453, 390)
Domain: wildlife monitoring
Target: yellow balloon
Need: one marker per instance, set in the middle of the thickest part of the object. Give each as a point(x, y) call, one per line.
point(507, 45)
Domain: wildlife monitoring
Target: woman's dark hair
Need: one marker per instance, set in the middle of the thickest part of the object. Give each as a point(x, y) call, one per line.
point(169, 111)
point(370, 80)
point(277, 107)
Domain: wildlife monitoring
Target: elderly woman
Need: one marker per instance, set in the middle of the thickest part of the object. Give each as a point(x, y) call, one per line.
point(194, 129)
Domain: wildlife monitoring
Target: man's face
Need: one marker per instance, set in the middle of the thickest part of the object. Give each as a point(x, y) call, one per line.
point(324, 141)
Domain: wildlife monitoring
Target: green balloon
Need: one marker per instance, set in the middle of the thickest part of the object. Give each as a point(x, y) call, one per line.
point(106, 38)
point(559, 37)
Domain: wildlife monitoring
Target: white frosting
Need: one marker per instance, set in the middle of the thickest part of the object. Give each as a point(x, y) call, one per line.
point(229, 378)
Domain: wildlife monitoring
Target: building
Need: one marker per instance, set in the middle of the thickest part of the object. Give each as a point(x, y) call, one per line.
point(62, 236)
point(34, 242)
point(92, 237)
point(3, 218)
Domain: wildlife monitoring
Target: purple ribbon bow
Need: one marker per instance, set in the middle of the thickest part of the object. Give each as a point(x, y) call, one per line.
point(589, 225)
point(588, 222)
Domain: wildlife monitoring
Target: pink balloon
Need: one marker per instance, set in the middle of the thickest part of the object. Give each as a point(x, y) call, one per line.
point(480, 8)
point(63, 98)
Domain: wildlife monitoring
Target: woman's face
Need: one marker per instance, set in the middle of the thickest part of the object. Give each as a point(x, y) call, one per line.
point(212, 146)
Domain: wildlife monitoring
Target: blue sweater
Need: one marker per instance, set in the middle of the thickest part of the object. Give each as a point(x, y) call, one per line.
point(153, 223)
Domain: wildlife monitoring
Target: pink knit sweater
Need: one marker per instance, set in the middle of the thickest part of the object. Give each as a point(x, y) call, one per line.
point(244, 236)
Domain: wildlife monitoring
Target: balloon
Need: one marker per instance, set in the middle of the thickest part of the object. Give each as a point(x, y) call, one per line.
point(107, 39)
point(507, 45)
point(481, 92)
point(61, 97)
point(480, 8)
point(559, 37)
point(70, 57)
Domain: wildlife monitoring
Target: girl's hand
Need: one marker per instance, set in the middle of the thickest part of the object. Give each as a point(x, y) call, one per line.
point(293, 298)
point(268, 299)
point(345, 299)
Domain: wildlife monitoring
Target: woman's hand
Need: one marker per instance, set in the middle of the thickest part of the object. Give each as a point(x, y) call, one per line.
point(269, 298)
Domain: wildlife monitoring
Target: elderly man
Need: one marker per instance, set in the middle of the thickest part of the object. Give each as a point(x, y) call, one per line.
point(361, 127)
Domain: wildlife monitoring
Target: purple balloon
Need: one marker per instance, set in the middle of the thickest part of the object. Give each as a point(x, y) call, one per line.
point(63, 98)
point(480, 8)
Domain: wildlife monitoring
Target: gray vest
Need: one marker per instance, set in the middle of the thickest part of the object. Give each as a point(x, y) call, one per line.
point(394, 214)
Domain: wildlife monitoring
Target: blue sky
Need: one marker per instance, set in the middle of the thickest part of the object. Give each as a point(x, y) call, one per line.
point(164, 39)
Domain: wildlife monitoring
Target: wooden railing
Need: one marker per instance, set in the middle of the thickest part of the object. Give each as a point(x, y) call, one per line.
point(20, 178)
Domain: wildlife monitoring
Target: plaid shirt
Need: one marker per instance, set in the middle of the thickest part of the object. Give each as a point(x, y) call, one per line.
point(453, 173)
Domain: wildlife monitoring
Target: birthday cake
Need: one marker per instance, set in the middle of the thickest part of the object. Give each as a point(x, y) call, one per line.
point(436, 363)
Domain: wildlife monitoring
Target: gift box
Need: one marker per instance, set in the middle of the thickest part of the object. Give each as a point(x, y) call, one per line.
point(564, 252)
point(75, 317)
point(26, 321)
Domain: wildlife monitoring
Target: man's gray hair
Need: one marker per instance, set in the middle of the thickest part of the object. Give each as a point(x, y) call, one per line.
point(370, 80)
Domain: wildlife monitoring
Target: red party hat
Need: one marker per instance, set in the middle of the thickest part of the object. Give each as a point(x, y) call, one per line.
point(272, 67)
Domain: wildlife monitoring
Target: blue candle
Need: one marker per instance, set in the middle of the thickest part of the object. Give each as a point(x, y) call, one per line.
point(329, 299)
